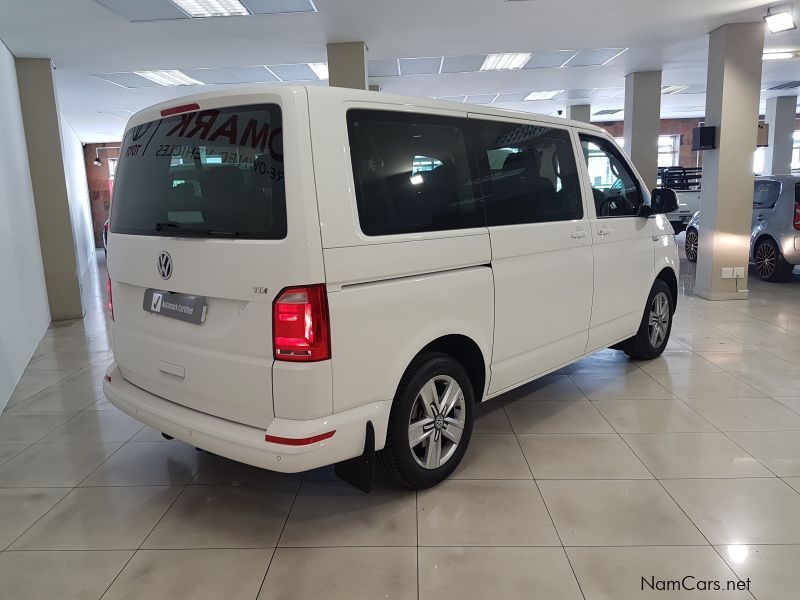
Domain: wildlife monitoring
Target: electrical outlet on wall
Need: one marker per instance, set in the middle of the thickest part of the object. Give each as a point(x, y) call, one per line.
point(738, 272)
point(727, 272)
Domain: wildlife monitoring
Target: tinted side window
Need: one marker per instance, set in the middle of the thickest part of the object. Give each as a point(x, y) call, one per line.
point(615, 189)
point(766, 193)
point(412, 173)
point(532, 174)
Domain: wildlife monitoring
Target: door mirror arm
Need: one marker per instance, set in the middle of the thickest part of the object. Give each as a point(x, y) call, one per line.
point(645, 211)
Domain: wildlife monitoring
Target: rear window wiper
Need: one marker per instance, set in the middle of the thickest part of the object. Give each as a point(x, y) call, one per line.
point(179, 229)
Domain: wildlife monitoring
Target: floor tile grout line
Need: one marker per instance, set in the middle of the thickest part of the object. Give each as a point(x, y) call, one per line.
point(278, 539)
point(416, 518)
point(663, 487)
point(547, 509)
point(136, 551)
point(552, 546)
point(27, 529)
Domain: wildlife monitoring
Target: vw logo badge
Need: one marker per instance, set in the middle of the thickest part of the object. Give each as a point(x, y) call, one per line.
point(165, 265)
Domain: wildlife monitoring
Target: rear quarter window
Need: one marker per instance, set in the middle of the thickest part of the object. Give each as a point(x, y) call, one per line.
point(412, 173)
point(766, 193)
point(205, 173)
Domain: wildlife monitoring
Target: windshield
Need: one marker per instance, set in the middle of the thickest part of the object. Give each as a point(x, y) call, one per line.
point(206, 173)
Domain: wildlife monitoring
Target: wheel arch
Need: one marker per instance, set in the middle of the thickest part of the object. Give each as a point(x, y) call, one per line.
point(761, 237)
point(466, 351)
point(667, 275)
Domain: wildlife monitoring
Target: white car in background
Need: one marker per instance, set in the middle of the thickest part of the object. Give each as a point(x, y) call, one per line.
point(308, 276)
point(685, 181)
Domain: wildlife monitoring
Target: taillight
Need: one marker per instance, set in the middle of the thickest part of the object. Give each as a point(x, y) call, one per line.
point(797, 215)
point(300, 327)
point(110, 300)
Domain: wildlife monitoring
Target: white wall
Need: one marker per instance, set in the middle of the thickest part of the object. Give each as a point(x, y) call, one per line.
point(78, 196)
point(24, 312)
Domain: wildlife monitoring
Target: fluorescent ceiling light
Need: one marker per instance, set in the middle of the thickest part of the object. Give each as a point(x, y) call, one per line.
point(503, 62)
point(779, 55)
point(543, 95)
point(212, 8)
point(673, 89)
point(780, 19)
point(320, 69)
point(168, 78)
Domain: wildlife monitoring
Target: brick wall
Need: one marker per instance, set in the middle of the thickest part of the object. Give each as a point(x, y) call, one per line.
point(99, 194)
point(682, 127)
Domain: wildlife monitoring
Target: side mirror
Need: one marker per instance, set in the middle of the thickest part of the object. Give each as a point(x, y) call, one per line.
point(664, 201)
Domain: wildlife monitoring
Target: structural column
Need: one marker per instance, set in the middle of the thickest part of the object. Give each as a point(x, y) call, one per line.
point(40, 118)
point(580, 112)
point(732, 98)
point(643, 122)
point(347, 65)
point(781, 115)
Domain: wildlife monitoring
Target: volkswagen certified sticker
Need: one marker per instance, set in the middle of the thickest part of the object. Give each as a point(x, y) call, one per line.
point(165, 265)
point(184, 307)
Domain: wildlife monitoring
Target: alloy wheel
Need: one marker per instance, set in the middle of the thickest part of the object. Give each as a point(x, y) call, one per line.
point(659, 320)
point(437, 422)
point(766, 260)
point(691, 245)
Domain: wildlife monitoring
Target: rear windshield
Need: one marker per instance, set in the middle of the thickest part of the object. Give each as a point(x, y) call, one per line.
point(766, 193)
point(211, 173)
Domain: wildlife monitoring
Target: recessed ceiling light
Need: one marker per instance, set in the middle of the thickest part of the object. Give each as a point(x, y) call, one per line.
point(212, 8)
point(543, 95)
point(504, 62)
point(779, 18)
point(673, 89)
point(320, 69)
point(168, 78)
point(779, 55)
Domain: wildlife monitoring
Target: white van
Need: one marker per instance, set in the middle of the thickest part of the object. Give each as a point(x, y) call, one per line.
point(309, 276)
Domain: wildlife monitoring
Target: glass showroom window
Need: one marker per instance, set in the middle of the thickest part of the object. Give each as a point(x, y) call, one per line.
point(760, 155)
point(668, 149)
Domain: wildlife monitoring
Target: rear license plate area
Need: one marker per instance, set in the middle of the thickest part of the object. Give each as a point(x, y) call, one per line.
point(182, 307)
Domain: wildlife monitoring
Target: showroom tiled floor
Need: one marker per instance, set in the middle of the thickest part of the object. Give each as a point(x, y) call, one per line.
point(576, 486)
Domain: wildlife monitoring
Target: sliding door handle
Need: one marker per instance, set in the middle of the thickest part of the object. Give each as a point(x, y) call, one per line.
point(605, 231)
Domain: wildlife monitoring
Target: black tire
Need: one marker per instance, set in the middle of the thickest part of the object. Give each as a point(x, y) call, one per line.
point(641, 346)
point(691, 244)
point(398, 460)
point(769, 262)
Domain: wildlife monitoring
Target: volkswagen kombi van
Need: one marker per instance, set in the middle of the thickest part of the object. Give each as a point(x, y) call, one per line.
point(306, 276)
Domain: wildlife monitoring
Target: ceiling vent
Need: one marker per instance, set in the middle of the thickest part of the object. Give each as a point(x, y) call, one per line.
point(607, 111)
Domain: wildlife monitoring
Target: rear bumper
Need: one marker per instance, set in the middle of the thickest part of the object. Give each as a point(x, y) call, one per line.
point(247, 444)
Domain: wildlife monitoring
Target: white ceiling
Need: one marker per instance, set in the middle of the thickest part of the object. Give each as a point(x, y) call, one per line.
point(85, 38)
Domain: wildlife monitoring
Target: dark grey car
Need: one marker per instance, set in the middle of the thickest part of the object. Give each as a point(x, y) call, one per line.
point(775, 235)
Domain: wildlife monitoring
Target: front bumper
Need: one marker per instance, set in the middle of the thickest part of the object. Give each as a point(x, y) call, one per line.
point(246, 444)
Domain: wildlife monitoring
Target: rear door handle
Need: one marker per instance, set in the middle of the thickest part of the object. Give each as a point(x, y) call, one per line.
point(605, 231)
point(576, 235)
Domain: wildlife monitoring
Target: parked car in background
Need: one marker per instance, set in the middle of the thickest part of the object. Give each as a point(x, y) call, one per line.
point(685, 181)
point(775, 233)
point(465, 252)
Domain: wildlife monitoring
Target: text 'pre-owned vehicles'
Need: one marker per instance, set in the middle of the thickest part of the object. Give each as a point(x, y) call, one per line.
point(309, 276)
point(775, 234)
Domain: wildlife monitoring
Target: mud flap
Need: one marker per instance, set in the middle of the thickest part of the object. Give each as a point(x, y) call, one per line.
point(360, 471)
